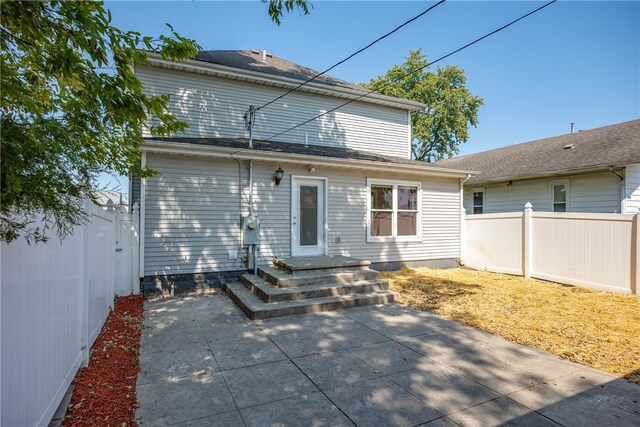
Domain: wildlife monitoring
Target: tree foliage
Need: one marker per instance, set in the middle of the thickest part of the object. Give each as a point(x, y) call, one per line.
point(277, 8)
point(439, 128)
point(72, 107)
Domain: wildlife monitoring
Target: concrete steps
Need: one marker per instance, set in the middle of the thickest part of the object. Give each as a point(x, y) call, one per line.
point(256, 309)
point(269, 293)
point(309, 285)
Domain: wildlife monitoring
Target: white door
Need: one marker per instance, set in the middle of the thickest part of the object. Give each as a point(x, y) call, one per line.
point(308, 236)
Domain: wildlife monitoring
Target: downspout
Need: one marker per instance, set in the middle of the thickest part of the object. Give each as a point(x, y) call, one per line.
point(623, 204)
point(254, 247)
point(239, 202)
point(250, 187)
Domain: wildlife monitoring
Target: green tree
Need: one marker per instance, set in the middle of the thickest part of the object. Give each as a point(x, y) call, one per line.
point(72, 107)
point(439, 128)
point(277, 8)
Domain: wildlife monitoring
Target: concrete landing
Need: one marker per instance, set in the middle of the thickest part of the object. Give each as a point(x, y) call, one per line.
point(320, 263)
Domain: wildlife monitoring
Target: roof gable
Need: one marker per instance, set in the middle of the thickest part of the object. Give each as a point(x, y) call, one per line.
point(247, 65)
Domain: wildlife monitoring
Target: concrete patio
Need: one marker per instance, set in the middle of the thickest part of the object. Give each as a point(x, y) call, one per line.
point(204, 363)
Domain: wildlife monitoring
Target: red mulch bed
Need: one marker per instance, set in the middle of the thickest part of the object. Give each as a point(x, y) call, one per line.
point(105, 391)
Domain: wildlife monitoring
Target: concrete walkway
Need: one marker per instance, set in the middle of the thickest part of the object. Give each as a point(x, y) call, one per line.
point(205, 364)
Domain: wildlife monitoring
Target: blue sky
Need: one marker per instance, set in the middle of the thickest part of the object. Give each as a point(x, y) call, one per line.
point(575, 61)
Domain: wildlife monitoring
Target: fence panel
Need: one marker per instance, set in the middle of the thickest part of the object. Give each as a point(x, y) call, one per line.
point(494, 242)
point(100, 267)
point(592, 250)
point(600, 251)
point(54, 300)
point(42, 294)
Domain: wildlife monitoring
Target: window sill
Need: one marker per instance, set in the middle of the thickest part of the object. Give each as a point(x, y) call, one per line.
point(401, 239)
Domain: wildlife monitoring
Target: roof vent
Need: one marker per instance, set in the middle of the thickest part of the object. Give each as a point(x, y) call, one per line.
point(569, 146)
point(265, 55)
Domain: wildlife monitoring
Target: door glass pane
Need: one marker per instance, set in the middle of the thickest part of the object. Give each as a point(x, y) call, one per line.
point(559, 194)
point(308, 216)
point(381, 223)
point(407, 198)
point(381, 197)
point(407, 224)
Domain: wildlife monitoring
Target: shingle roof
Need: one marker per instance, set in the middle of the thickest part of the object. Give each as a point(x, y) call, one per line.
point(252, 60)
point(617, 144)
point(309, 150)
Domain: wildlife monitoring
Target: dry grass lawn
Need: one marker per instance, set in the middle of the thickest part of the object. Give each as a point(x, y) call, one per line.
point(593, 328)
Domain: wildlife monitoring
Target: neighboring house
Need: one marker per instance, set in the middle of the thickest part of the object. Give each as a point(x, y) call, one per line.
point(348, 187)
point(596, 170)
point(116, 197)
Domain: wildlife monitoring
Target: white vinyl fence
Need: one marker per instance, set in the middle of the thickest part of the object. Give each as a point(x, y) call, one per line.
point(55, 298)
point(600, 251)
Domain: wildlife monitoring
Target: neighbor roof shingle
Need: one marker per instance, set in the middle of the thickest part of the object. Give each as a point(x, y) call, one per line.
point(613, 145)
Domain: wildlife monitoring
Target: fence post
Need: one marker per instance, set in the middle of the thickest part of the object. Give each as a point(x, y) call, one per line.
point(135, 251)
point(84, 262)
point(635, 255)
point(111, 208)
point(527, 241)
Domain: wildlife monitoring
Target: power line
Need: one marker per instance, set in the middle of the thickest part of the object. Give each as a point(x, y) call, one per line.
point(353, 54)
point(416, 70)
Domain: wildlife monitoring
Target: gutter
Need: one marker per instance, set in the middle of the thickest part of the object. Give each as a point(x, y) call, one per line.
point(225, 71)
point(293, 158)
point(552, 174)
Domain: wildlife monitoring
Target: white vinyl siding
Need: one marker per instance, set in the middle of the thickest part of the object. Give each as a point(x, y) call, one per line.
point(632, 189)
point(214, 107)
point(193, 209)
point(598, 193)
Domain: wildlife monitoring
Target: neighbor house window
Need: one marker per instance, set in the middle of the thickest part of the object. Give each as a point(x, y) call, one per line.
point(560, 196)
point(478, 201)
point(393, 210)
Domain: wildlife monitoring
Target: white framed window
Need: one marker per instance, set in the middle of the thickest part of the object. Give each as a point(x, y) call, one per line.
point(559, 192)
point(477, 198)
point(394, 210)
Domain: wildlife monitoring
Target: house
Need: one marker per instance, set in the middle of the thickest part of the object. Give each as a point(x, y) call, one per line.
point(102, 198)
point(343, 184)
point(595, 170)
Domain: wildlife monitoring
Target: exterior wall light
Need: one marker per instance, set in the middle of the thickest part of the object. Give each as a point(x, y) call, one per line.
point(278, 175)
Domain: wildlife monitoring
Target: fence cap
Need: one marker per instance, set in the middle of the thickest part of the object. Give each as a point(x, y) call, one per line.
point(528, 206)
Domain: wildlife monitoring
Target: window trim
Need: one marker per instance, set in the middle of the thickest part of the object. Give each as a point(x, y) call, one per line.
point(552, 201)
point(394, 216)
point(484, 199)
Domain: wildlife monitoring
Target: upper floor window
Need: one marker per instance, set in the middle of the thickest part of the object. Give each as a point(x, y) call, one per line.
point(560, 196)
point(393, 210)
point(478, 201)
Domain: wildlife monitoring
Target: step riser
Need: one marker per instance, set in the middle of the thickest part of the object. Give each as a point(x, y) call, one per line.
point(348, 276)
point(348, 289)
point(315, 308)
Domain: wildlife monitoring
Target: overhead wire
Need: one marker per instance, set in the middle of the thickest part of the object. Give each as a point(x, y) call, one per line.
point(415, 70)
point(424, 12)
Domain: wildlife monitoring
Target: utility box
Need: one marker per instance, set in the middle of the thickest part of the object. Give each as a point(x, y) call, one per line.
point(250, 230)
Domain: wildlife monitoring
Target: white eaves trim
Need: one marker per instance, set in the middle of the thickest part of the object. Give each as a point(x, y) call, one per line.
point(224, 71)
point(181, 148)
